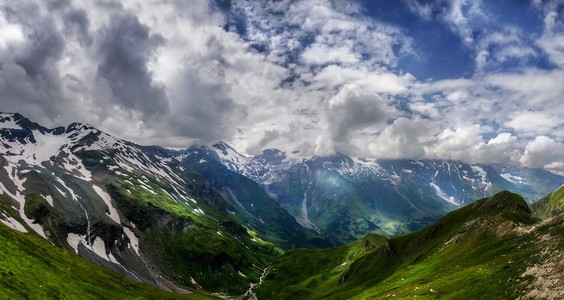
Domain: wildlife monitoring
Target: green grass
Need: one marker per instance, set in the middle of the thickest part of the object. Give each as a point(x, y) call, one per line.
point(157, 198)
point(470, 253)
point(31, 268)
point(550, 205)
point(301, 272)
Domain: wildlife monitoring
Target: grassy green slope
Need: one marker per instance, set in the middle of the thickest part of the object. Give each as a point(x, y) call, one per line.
point(31, 268)
point(187, 246)
point(192, 238)
point(494, 248)
point(300, 271)
point(550, 205)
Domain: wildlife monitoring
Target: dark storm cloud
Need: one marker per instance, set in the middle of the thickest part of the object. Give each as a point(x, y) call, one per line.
point(126, 48)
point(58, 4)
point(47, 43)
point(28, 73)
point(203, 108)
point(109, 4)
point(76, 22)
point(269, 136)
point(351, 112)
point(203, 111)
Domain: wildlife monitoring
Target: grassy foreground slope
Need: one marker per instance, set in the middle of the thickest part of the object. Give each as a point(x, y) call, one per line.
point(32, 268)
point(495, 248)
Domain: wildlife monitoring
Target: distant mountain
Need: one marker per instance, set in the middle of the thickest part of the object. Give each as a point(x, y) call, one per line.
point(136, 210)
point(346, 198)
point(494, 248)
point(251, 204)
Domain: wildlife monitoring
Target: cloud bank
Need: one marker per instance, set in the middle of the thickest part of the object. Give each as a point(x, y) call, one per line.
point(318, 76)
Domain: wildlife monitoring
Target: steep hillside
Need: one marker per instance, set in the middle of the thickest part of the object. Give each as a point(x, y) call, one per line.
point(494, 248)
point(131, 209)
point(31, 268)
point(551, 205)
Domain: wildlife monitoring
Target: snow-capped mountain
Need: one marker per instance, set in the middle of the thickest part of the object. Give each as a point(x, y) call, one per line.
point(345, 198)
point(134, 209)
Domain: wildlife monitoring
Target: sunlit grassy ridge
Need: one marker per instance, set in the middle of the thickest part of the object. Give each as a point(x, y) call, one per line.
point(483, 251)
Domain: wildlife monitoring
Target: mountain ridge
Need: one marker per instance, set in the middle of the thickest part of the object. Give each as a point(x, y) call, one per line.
point(495, 244)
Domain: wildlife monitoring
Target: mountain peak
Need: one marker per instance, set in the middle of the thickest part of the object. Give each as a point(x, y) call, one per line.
point(9, 121)
point(76, 126)
point(224, 147)
point(505, 203)
point(15, 121)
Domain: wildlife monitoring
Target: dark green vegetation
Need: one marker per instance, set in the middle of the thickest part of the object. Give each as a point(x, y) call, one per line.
point(190, 247)
point(302, 269)
point(31, 268)
point(37, 209)
point(494, 248)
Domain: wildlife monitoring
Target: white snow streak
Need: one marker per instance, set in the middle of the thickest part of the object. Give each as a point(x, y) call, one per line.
point(108, 200)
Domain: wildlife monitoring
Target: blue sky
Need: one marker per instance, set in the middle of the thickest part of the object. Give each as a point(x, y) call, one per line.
point(478, 81)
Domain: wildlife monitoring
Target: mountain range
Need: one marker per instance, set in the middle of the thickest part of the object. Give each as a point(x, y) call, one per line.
point(345, 198)
point(211, 219)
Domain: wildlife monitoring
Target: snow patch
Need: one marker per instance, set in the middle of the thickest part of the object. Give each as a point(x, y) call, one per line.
point(12, 223)
point(20, 198)
point(49, 199)
point(148, 189)
point(513, 178)
point(108, 200)
point(419, 163)
point(9, 124)
point(443, 195)
point(99, 247)
point(133, 240)
point(74, 240)
point(483, 175)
